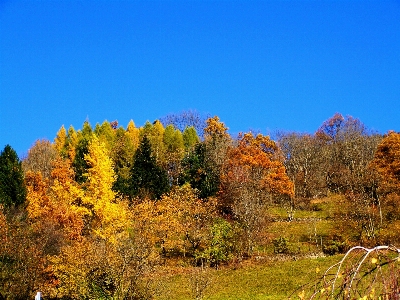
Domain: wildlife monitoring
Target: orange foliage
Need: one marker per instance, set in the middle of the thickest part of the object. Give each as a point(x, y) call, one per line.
point(55, 203)
point(387, 163)
point(257, 160)
point(215, 128)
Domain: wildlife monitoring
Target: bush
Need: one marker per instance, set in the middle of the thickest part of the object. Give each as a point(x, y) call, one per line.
point(281, 245)
point(221, 246)
point(335, 245)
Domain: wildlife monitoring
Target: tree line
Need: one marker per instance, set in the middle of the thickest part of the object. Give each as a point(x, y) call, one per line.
point(92, 214)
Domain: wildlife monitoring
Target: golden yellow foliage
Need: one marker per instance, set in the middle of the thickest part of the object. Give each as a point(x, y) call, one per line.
point(178, 221)
point(60, 139)
point(107, 215)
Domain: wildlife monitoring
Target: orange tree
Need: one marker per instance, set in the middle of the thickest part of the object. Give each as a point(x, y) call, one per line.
point(253, 177)
point(386, 163)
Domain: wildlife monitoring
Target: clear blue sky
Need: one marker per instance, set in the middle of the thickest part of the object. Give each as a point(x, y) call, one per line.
point(261, 65)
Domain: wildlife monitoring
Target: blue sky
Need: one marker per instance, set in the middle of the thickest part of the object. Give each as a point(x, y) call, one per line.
point(260, 65)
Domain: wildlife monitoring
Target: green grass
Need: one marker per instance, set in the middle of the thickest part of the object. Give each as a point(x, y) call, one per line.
point(265, 280)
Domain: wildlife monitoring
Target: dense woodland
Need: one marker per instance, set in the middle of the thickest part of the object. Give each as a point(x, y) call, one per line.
point(97, 212)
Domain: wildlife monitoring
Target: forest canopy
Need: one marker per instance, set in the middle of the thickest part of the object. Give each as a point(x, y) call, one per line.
point(95, 211)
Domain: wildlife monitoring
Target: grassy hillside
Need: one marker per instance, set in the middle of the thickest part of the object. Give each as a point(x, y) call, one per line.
point(267, 275)
point(263, 279)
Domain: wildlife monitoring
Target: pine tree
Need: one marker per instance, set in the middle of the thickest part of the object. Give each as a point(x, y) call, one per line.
point(147, 178)
point(122, 156)
point(82, 148)
point(201, 175)
point(12, 188)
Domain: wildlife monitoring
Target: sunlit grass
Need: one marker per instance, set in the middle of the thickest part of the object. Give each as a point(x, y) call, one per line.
point(266, 280)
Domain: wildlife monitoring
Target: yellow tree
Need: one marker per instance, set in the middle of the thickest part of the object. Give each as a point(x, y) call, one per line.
point(60, 141)
point(71, 143)
point(179, 221)
point(132, 132)
point(52, 217)
point(107, 215)
point(106, 133)
point(184, 219)
point(155, 133)
point(85, 265)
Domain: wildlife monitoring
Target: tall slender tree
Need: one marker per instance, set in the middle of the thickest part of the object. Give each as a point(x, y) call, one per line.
point(147, 178)
point(12, 188)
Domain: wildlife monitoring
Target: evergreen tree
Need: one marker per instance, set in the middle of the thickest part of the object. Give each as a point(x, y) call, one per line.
point(199, 173)
point(147, 178)
point(79, 164)
point(12, 188)
point(122, 156)
point(82, 148)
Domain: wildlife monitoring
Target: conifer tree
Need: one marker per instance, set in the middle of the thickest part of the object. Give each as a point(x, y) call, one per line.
point(190, 137)
point(147, 178)
point(106, 133)
point(82, 148)
point(60, 141)
point(132, 132)
point(71, 143)
point(12, 188)
point(198, 173)
point(122, 156)
point(107, 215)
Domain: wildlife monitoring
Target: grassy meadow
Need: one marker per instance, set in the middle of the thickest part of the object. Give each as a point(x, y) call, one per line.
point(266, 275)
point(268, 279)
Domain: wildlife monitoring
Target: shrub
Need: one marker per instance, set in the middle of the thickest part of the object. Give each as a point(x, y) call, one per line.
point(281, 245)
point(335, 245)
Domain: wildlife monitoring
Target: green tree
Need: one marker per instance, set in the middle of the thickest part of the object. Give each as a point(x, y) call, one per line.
point(147, 177)
point(201, 175)
point(122, 156)
point(82, 148)
point(12, 188)
point(190, 137)
point(106, 133)
point(221, 245)
point(174, 151)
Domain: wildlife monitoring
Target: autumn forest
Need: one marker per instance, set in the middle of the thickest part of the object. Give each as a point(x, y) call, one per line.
point(103, 211)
